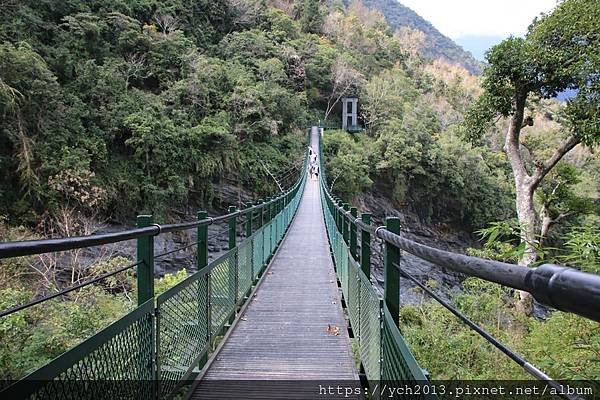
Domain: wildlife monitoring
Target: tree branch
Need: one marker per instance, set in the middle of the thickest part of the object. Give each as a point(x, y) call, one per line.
point(543, 169)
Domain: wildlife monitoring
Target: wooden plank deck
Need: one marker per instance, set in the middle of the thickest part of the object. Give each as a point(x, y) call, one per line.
point(283, 334)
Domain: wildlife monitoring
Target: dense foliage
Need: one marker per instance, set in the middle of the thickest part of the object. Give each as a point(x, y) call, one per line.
point(412, 151)
point(564, 346)
point(141, 104)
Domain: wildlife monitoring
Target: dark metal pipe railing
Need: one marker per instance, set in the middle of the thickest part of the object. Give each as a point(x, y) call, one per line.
point(31, 247)
point(495, 271)
point(563, 288)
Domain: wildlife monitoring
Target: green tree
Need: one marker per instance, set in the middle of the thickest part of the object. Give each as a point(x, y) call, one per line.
point(582, 246)
point(559, 52)
point(311, 15)
point(347, 163)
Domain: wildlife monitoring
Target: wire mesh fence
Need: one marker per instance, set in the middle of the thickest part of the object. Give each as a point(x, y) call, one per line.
point(245, 260)
point(383, 353)
point(182, 330)
point(122, 352)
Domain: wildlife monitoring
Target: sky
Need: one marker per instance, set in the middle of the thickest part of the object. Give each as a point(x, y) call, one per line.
point(459, 18)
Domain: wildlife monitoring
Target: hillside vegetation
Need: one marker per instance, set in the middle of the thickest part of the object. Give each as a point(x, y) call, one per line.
point(434, 44)
point(115, 108)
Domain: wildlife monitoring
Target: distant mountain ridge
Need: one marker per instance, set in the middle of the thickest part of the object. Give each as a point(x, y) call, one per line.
point(437, 45)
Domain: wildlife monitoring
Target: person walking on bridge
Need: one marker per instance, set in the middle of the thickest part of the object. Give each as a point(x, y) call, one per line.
point(312, 158)
point(314, 172)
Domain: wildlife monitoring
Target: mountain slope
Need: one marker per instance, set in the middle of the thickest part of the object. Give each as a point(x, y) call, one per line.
point(436, 45)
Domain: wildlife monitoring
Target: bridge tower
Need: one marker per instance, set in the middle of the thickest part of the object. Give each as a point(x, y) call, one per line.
point(349, 112)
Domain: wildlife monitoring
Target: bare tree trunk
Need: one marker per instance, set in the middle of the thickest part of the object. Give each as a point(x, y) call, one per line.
point(524, 200)
point(528, 222)
point(525, 186)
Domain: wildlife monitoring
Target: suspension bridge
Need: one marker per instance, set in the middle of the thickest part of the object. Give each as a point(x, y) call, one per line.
point(282, 306)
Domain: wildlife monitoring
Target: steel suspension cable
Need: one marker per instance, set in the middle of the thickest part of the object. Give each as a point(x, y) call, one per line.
point(175, 250)
point(68, 290)
point(527, 366)
point(291, 169)
point(288, 175)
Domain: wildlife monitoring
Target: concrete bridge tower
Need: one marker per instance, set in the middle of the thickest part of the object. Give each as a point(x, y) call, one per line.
point(349, 112)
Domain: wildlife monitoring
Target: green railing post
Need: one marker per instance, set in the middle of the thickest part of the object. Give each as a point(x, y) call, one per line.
point(145, 256)
point(286, 213)
point(202, 238)
point(334, 212)
point(277, 205)
point(203, 298)
point(233, 289)
point(249, 216)
point(365, 246)
point(340, 216)
point(145, 276)
point(274, 224)
point(232, 227)
point(391, 275)
point(346, 222)
point(261, 214)
point(267, 220)
point(281, 210)
point(353, 246)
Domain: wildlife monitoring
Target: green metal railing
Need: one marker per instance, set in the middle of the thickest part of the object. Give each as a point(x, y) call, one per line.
point(198, 309)
point(123, 352)
point(384, 354)
point(336, 125)
point(152, 351)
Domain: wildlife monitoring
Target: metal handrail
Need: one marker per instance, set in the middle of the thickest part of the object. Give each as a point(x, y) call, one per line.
point(523, 363)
